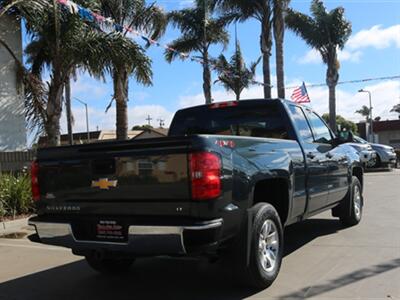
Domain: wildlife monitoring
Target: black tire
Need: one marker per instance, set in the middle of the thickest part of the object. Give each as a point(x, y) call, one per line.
point(351, 208)
point(378, 162)
point(249, 268)
point(109, 266)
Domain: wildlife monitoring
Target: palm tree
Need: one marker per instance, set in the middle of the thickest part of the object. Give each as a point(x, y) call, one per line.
point(61, 43)
point(234, 75)
point(270, 14)
point(326, 31)
point(199, 31)
point(365, 112)
point(396, 109)
point(278, 20)
point(135, 14)
point(34, 89)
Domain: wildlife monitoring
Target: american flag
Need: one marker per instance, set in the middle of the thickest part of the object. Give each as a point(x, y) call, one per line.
point(300, 94)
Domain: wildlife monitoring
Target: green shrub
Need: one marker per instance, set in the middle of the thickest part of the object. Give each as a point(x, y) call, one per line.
point(15, 194)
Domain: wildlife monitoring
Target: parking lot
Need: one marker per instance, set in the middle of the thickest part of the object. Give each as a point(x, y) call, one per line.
point(322, 260)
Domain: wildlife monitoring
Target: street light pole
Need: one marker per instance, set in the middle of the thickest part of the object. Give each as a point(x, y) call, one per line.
point(371, 122)
point(87, 117)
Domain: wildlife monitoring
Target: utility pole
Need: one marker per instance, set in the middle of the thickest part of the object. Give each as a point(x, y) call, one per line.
point(87, 118)
point(371, 121)
point(161, 122)
point(68, 110)
point(149, 120)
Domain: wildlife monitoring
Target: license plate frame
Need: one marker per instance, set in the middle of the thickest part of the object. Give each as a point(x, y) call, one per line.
point(111, 231)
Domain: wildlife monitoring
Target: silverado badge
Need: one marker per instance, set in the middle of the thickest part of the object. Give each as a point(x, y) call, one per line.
point(104, 183)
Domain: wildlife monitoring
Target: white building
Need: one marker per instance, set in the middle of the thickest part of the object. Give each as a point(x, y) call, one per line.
point(13, 134)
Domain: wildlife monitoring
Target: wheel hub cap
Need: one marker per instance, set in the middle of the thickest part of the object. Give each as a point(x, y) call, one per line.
point(268, 246)
point(357, 202)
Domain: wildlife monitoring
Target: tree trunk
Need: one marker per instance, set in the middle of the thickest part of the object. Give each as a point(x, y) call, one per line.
point(332, 78)
point(237, 96)
point(332, 107)
point(120, 80)
point(53, 112)
point(266, 44)
point(279, 34)
point(68, 110)
point(206, 78)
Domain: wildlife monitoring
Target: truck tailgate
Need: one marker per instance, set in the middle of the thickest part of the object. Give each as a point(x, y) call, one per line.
point(137, 171)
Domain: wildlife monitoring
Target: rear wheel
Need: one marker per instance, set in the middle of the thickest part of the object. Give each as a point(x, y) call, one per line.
point(109, 266)
point(266, 249)
point(376, 163)
point(371, 163)
point(352, 205)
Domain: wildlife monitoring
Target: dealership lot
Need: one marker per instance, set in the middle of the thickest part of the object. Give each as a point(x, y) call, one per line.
point(322, 260)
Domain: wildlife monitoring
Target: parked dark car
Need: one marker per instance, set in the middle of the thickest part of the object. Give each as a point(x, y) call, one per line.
point(223, 184)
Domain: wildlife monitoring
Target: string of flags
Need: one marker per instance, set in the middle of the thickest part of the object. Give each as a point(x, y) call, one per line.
point(90, 16)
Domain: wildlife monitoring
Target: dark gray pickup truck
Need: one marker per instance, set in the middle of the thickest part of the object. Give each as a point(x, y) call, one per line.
point(224, 183)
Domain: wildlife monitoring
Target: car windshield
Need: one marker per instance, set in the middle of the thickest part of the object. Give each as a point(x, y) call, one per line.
point(360, 140)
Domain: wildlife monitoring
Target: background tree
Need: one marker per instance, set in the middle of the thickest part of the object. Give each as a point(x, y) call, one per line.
point(142, 127)
point(199, 30)
point(261, 10)
point(365, 112)
point(279, 11)
point(270, 14)
point(343, 123)
point(141, 17)
point(234, 75)
point(30, 85)
point(396, 109)
point(327, 32)
point(62, 43)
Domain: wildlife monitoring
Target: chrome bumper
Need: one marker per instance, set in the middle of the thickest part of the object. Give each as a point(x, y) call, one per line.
point(141, 239)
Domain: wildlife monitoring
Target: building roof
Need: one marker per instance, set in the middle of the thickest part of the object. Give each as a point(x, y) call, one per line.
point(379, 126)
point(111, 134)
point(158, 132)
point(104, 135)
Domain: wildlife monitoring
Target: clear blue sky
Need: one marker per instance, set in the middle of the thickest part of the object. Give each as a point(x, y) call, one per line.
point(373, 51)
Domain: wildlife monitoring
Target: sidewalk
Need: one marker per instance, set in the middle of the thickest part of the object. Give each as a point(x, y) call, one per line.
point(19, 225)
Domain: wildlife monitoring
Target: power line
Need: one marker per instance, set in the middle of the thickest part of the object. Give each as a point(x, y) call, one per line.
point(90, 16)
point(351, 81)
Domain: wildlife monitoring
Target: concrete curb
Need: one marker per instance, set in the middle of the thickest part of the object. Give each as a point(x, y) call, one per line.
point(13, 226)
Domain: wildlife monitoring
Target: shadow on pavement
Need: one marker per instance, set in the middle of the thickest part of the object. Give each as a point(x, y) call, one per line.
point(300, 234)
point(160, 278)
point(344, 280)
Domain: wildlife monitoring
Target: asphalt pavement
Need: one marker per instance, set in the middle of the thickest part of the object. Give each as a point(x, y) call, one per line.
point(322, 260)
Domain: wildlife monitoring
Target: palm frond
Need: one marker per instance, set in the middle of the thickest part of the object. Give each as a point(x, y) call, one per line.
point(185, 44)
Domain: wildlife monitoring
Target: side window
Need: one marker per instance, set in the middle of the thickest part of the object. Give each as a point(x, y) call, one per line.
point(322, 133)
point(301, 123)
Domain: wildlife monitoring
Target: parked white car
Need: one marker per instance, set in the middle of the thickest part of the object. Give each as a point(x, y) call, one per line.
point(385, 155)
point(366, 153)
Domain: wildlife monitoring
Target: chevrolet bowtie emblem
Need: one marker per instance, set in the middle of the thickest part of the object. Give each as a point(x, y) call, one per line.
point(104, 183)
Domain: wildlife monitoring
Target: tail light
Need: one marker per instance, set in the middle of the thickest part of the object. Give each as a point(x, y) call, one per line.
point(224, 104)
point(205, 173)
point(35, 181)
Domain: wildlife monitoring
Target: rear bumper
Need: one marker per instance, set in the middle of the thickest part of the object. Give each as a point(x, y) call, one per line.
point(143, 240)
